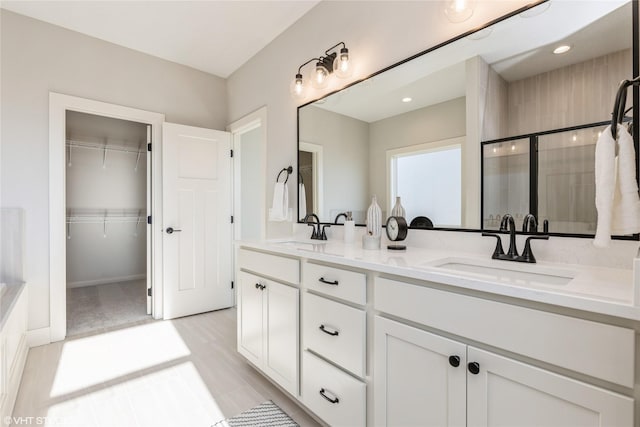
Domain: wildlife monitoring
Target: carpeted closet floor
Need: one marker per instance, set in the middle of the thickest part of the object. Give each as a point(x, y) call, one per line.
point(93, 308)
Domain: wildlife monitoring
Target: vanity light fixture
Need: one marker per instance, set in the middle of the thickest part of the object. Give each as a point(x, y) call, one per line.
point(562, 49)
point(407, 99)
point(338, 63)
point(458, 10)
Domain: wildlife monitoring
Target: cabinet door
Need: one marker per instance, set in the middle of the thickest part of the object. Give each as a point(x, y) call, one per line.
point(250, 317)
point(281, 331)
point(509, 393)
point(417, 382)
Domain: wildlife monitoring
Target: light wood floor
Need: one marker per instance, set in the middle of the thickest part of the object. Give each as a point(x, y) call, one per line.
point(183, 372)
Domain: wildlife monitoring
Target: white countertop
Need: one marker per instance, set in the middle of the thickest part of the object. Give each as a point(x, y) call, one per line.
point(600, 290)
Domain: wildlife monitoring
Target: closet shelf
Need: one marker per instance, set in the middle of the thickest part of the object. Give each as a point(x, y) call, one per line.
point(102, 219)
point(105, 215)
point(94, 146)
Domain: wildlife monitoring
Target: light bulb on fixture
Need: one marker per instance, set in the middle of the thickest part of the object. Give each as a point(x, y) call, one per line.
point(458, 10)
point(342, 65)
point(319, 75)
point(513, 147)
point(297, 87)
point(574, 138)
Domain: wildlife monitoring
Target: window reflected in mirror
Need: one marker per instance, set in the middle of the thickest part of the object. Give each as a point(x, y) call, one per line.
point(505, 181)
point(427, 178)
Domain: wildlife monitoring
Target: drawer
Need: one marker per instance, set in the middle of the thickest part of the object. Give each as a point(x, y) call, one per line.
point(553, 338)
point(277, 267)
point(343, 334)
point(343, 284)
point(333, 395)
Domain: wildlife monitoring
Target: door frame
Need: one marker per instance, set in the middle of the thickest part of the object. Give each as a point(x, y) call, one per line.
point(246, 124)
point(58, 105)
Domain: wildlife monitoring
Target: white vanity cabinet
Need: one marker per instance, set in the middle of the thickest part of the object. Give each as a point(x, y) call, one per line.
point(268, 317)
point(421, 378)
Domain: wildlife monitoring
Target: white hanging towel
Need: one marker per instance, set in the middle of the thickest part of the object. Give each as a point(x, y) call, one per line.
point(302, 202)
point(617, 199)
point(280, 208)
point(626, 203)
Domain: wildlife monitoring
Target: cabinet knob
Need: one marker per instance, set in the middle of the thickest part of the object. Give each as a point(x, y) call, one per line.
point(259, 286)
point(474, 368)
point(454, 361)
point(323, 394)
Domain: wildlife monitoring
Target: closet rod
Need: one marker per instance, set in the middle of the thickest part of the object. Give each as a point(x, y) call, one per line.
point(102, 219)
point(79, 144)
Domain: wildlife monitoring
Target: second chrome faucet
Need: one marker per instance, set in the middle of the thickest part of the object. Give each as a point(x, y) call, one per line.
point(530, 224)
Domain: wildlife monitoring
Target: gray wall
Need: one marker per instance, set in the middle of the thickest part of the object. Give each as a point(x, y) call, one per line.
point(37, 58)
point(377, 33)
point(345, 150)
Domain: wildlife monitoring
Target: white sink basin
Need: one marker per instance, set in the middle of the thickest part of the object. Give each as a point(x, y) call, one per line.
point(512, 273)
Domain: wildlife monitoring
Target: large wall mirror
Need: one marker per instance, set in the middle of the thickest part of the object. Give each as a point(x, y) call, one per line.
point(416, 130)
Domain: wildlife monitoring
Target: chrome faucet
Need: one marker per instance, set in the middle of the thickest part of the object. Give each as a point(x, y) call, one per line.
point(512, 253)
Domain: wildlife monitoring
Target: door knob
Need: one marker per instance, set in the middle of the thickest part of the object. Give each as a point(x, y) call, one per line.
point(171, 230)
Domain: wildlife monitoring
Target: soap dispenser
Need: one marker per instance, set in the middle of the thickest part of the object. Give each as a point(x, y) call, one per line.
point(349, 228)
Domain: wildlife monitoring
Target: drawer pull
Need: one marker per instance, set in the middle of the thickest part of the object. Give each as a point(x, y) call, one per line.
point(332, 333)
point(454, 361)
point(474, 368)
point(334, 283)
point(334, 400)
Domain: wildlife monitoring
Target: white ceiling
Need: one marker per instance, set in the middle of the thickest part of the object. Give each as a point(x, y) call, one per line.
point(212, 36)
point(516, 48)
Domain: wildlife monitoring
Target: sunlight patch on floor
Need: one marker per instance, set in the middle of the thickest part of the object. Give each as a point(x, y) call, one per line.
point(91, 361)
point(149, 400)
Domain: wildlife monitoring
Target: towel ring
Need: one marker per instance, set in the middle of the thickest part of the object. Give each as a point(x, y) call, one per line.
point(288, 170)
point(617, 116)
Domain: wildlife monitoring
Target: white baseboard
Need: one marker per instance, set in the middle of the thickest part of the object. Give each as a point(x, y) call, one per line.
point(105, 281)
point(37, 337)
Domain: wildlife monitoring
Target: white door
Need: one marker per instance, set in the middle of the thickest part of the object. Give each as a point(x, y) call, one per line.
point(419, 377)
point(505, 392)
point(196, 209)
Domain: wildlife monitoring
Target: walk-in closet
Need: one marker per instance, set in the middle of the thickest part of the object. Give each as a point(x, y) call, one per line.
point(106, 209)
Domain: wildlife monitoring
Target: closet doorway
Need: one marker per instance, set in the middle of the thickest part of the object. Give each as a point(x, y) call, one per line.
point(107, 202)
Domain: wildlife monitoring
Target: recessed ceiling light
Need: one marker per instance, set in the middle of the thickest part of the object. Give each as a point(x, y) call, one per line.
point(407, 99)
point(562, 49)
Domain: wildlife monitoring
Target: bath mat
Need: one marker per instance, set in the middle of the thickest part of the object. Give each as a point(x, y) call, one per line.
point(266, 414)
